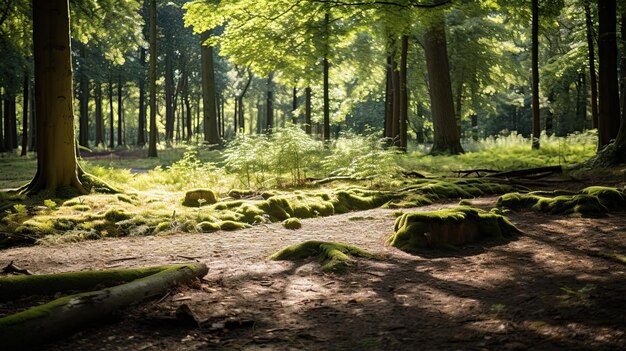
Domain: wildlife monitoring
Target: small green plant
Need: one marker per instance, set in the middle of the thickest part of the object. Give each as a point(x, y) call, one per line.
point(50, 204)
point(20, 209)
point(582, 293)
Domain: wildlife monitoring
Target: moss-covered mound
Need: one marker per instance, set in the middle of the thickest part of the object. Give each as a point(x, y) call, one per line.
point(591, 201)
point(448, 228)
point(199, 197)
point(334, 257)
point(292, 223)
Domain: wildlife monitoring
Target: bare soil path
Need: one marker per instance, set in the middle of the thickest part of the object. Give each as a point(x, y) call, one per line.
point(542, 291)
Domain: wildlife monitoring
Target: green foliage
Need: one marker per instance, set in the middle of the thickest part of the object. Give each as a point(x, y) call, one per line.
point(591, 201)
point(50, 204)
point(292, 223)
point(334, 257)
point(448, 228)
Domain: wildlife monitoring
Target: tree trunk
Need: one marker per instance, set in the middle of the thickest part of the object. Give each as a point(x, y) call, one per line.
point(307, 110)
point(395, 112)
point(535, 75)
point(294, 105)
point(9, 100)
point(83, 125)
point(236, 117)
point(152, 142)
point(32, 139)
point(389, 95)
point(581, 100)
point(404, 96)
point(26, 99)
point(609, 112)
point(623, 67)
point(1, 127)
point(169, 92)
point(211, 131)
point(141, 122)
point(189, 117)
point(112, 119)
point(446, 133)
point(99, 116)
point(56, 156)
point(120, 113)
point(592, 67)
point(220, 117)
point(269, 109)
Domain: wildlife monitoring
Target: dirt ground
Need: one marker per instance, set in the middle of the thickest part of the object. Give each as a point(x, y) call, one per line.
point(542, 291)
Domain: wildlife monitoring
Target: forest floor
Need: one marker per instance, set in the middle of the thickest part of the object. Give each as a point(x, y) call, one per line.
point(543, 291)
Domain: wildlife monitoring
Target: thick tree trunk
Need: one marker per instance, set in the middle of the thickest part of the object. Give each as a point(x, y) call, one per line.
point(209, 94)
point(83, 125)
point(609, 107)
point(535, 75)
point(120, 113)
point(446, 132)
point(141, 122)
point(152, 142)
point(112, 119)
point(592, 66)
point(56, 156)
point(99, 116)
point(623, 67)
point(307, 110)
point(404, 94)
point(26, 99)
point(32, 138)
point(269, 109)
point(1, 126)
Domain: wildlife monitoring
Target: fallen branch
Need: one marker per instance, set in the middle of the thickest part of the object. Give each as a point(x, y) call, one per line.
point(336, 178)
point(11, 268)
point(70, 313)
point(530, 173)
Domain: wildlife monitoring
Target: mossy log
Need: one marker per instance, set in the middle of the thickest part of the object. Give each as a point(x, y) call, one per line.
point(334, 257)
point(591, 201)
point(68, 314)
point(448, 228)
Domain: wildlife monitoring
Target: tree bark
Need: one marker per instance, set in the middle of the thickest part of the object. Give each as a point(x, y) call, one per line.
point(269, 109)
point(120, 113)
point(26, 99)
point(1, 126)
point(294, 105)
point(169, 91)
point(326, 65)
point(83, 125)
point(592, 66)
point(404, 96)
point(609, 111)
point(141, 122)
point(9, 100)
point(32, 139)
point(446, 133)
point(152, 142)
point(389, 95)
point(209, 94)
point(112, 119)
point(535, 75)
point(99, 116)
point(307, 110)
point(56, 156)
point(623, 67)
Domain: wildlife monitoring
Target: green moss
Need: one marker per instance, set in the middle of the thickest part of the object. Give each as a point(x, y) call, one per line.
point(81, 208)
point(72, 202)
point(208, 227)
point(292, 223)
point(162, 227)
point(592, 201)
point(124, 198)
point(611, 256)
point(334, 257)
point(465, 203)
point(116, 215)
point(232, 225)
point(250, 213)
point(38, 228)
point(360, 199)
point(448, 228)
point(240, 193)
point(277, 207)
point(198, 197)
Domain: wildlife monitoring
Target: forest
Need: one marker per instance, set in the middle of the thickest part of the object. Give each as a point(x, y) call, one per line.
point(312, 174)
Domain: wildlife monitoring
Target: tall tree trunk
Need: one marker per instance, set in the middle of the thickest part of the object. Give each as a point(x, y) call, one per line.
point(623, 66)
point(9, 100)
point(169, 92)
point(32, 139)
point(223, 108)
point(220, 118)
point(99, 116)
point(236, 117)
point(535, 75)
point(141, 122)
point(240, 105)
point(14, 123)
point(446, 132)
point(189, 118)
point(112, 119)
point(259, 116)
point(294, 105)
point(609, 112)
point(269, 109)
point(209, 94)
point(1, 126)
point(83, 98)
point(404, 96)
point(120, 113)
point(326, 65)
point(152, 142)
point(56, 156)
point(307, 110)
point(395, 111)
point(592, 66)
point(581, 100)
point(388, 126)
point(26, 99)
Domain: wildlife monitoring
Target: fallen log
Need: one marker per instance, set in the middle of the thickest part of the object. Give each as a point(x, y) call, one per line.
point(530, 173)
point(70, 313)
